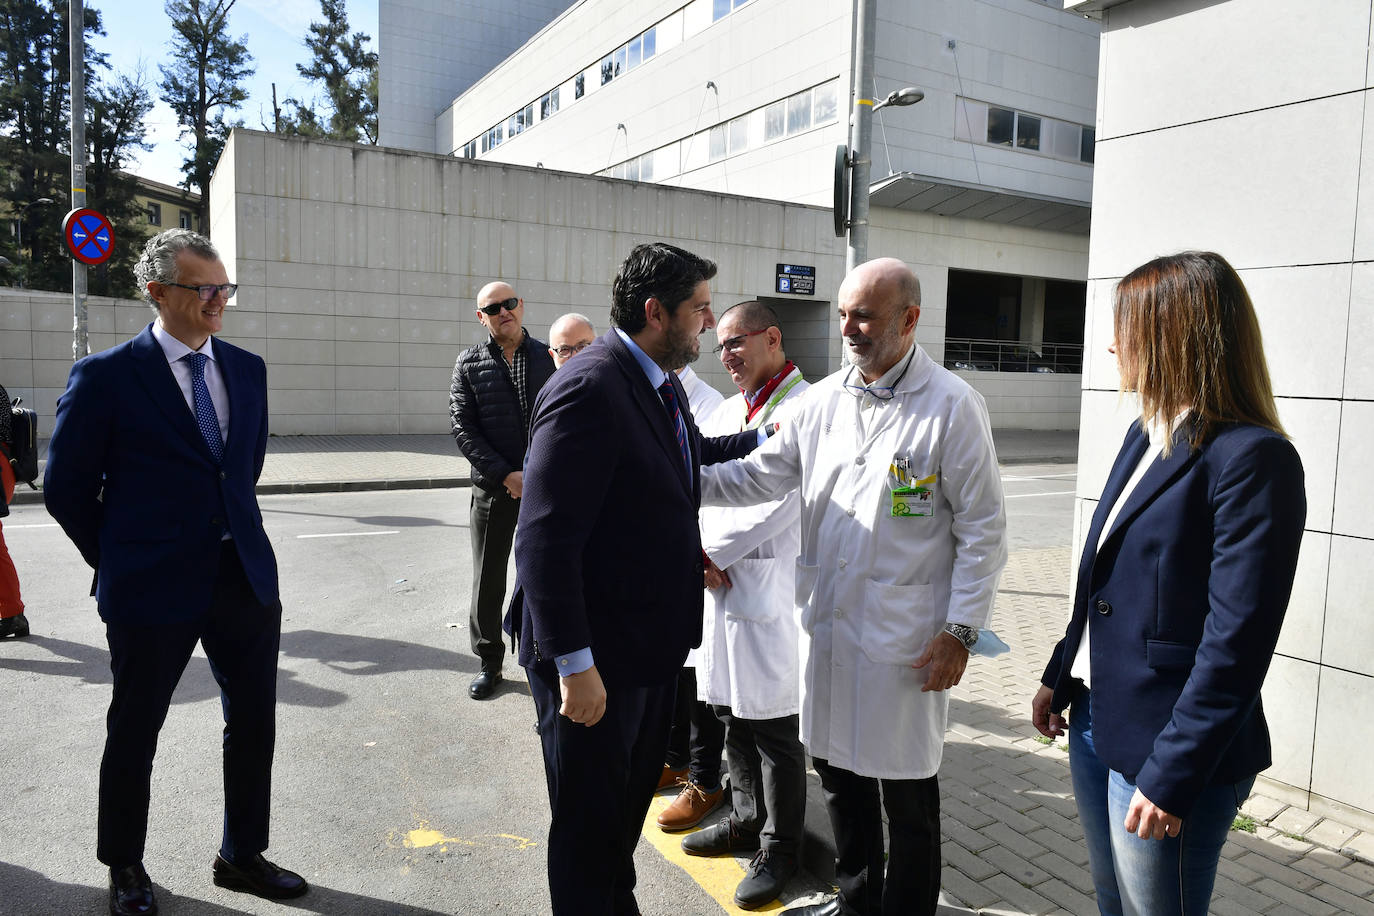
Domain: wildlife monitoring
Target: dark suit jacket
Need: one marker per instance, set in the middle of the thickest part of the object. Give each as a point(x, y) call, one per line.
point(608, 552)
point(1187, 597)
point(134, 485)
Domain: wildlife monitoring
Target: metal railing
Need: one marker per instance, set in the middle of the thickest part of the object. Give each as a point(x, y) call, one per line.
point(980, 355)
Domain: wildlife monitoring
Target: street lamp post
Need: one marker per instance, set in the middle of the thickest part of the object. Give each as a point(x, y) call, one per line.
point(861, 129)
point(19, 221)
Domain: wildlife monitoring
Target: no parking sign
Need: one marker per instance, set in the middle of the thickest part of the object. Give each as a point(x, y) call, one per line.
point(89, 236)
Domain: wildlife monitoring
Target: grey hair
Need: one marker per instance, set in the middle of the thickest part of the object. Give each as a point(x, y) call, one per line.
point(158, 263)
point(574, 316)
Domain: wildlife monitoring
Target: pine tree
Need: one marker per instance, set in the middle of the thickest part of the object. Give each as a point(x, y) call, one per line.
point(203, 82)
point(115, 115)
point(347, 70)
point(35, 136)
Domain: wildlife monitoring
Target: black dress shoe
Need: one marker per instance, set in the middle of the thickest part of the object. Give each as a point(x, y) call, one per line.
point(484, 685)
point(718, 839)
point(131, 892)
point(16, 627)
point(768, 873)
point(830, 907)
point(260, 877)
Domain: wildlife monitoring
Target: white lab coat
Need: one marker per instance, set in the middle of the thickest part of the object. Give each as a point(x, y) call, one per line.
point(875, 589)
point(702, 399)
point(748, 657)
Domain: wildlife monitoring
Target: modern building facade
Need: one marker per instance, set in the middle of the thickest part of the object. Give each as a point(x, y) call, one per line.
point(752, 97)
point(1240, 126)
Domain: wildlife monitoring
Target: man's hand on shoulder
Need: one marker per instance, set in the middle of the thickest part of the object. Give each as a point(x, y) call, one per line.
point(514, 483)
point(584, 697)
point(715, 576)
point(945, 659)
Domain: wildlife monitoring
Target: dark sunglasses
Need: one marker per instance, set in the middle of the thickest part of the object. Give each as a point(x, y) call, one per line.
point(493, 309)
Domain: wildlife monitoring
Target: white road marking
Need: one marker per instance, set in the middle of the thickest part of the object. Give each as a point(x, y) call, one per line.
point(1051, 493)
point(1039, 476)
point(44, 525)
point(346, 534)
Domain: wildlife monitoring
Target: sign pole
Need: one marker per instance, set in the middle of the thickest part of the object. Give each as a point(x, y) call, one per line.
point(860, 132)
point(76, 27)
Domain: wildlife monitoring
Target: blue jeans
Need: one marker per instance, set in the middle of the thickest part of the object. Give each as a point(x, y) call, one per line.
point(1135, 877)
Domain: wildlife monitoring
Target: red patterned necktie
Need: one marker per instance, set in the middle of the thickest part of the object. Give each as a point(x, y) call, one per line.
point(665, 391)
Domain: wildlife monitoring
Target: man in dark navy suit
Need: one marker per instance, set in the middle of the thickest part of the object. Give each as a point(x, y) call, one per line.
point(609, 570)
point(155, 453)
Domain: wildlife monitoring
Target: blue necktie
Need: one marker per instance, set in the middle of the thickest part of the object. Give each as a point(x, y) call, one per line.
point(665, 391)
point(205, 408)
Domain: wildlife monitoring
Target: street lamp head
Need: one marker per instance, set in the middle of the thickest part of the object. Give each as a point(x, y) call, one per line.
point(901, 97)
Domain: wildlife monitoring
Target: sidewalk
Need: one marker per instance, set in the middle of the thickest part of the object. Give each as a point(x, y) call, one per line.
point(1012, 843)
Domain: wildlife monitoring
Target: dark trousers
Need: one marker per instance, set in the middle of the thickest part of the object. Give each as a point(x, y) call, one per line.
point(697, 738)
point(601, 780)
point(241, 638)
point(911, 886)
point(767, 778)
point(492, 529)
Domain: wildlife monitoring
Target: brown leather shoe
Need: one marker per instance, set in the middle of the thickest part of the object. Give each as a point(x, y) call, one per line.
point(690, 808)
point(671, 778)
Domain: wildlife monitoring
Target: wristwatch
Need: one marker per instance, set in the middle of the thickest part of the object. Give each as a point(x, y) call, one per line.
point(965, 634)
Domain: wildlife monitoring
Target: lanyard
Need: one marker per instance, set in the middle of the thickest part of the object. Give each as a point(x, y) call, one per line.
point(773, 402)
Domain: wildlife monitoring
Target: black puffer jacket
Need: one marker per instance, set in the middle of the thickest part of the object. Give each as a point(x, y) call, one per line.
point(484, 408)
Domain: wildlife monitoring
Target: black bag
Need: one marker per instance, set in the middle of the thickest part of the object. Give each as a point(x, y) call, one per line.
point(19, 439)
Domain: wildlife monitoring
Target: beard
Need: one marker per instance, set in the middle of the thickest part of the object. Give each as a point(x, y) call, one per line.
point(881, 350)
point(683, 348)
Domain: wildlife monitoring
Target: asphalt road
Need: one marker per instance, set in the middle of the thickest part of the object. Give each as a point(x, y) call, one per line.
point(394, 793)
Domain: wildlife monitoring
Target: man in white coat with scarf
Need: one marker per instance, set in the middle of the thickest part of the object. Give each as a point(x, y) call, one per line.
point(747, 666)
point(903, 537)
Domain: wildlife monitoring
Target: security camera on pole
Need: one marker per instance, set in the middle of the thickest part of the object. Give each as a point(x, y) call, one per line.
point(852, 161)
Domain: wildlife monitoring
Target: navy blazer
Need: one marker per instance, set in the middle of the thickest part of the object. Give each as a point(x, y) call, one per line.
point(132, 482)
point(608, 552)
point(1187, 596)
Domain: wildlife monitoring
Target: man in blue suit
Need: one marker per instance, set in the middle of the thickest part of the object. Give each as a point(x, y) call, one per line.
point(155, 453)
point(609, 570)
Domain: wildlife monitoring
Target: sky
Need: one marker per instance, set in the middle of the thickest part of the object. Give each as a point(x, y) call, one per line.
point(137, 33)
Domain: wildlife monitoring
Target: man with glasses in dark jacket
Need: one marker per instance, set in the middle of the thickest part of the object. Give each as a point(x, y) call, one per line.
point(494, 386)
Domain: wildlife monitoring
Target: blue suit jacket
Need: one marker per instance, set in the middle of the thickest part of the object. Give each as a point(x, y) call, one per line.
point(1187, 596)
point(134, 485)
point(608, 551)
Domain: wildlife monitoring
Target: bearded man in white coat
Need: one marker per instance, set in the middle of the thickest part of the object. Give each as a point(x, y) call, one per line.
point(903, 538)
point(747, 666)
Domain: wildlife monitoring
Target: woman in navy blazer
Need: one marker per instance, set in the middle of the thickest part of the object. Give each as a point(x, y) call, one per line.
point(1185, 576)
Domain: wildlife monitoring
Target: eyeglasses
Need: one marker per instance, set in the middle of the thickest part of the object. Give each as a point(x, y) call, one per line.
point(735, 344)
point(493, 309)
point(208, 291)
point(568, 350)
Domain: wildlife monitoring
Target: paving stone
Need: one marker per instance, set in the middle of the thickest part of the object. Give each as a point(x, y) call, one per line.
point(1017, 842)
point(1361, 845)
point(1015, 867)
point(1344, 902)
point(1000, 812)
point(1262, 808)
point(1023, 898)
point(1063, 870)
point(971, 893)
point(1294, 820)
point(1068, 848)
point(1079, 904)
point(970, 839)
point(1252, 900)
point(1300, 900)
point(965, 813)
point(1331, 833)
point(1225, 906)
point(971, 864)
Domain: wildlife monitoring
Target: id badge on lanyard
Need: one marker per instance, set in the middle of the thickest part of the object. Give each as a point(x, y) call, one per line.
point(911, 497)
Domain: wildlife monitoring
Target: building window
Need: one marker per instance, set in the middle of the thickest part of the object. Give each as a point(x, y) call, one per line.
point(739, 135)
point(579, 86)
point(774, 121)
point(650, 39)
point(1001, 126)
point(1086, 149)
point(719, 9)
point(184, 219)
point(799, 112)
point(979, 122)
point(548, 105)
point(717, 143)
point(825, 102)
point(1027, 131)
point(154, 214)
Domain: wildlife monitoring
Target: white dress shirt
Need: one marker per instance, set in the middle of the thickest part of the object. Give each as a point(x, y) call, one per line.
point(181, 371)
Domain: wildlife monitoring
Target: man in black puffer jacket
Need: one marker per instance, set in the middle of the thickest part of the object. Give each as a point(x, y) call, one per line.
point(494, 386)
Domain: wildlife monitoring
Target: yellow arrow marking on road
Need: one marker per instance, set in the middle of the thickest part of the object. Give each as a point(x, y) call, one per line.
point(718, 875)
point(425, 836)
